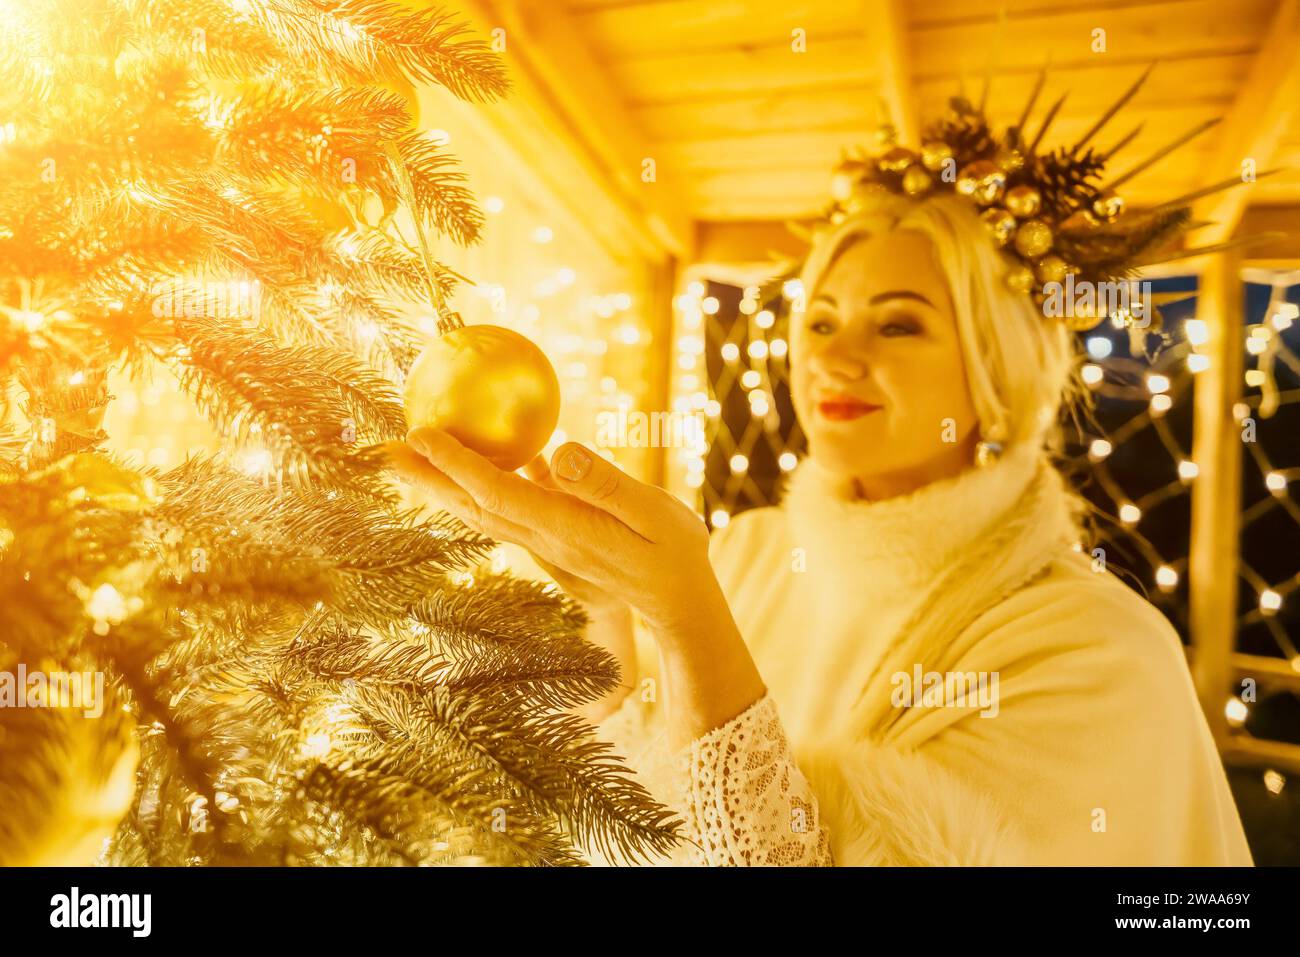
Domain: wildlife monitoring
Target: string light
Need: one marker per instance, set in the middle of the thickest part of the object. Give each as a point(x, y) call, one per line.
point(1269, 601)
point(1129, 513)
point(739, 463)
point(1092, 374)
point(720, 517)
point(1166, 578)
point(1236, 712)
point(1099, 347)
point(1274, 782)
point(787, 461)
point(1188, 470)
point(1099, 449)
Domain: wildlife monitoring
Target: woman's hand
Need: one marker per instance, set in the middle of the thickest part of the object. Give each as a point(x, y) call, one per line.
point(612, 536)
point(608, 536)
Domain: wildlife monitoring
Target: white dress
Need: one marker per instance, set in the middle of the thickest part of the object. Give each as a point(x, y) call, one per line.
point(1085, 743)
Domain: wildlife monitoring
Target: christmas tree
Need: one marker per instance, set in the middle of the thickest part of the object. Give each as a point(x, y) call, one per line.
point(296, 668)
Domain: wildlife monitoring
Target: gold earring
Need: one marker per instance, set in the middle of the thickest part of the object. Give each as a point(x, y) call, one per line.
point(986, 453)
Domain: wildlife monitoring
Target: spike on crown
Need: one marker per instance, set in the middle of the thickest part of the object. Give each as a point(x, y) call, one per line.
point(1047, 210)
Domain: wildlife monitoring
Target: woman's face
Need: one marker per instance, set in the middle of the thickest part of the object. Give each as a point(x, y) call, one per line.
point(877, 372)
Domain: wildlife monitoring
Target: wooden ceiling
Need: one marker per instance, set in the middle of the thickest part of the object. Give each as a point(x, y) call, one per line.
point(743, 127)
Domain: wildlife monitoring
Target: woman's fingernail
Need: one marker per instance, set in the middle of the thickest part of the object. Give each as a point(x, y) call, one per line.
point(574, 464)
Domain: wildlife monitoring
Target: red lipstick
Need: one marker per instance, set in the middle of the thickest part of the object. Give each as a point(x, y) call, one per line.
point(843, 408)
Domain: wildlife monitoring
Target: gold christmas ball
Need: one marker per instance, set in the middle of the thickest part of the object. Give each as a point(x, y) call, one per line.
point(1023, 201)
point(896, 160)
point(1033, 238)
point(1000, 223)
point(489, 388)
point(916, 181)
point(1009, 160)
point(845, 175)
point(934, 155)
point(1020, 278)
point(1107, 206)
point(1052, 269)
point(982, 181)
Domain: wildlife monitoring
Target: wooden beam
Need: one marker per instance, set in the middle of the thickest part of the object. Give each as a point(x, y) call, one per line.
point(1283, 252)
point(547, 46)
point(746, 243)
point(885, 24)
point(1216, 493)
point(1266, 105)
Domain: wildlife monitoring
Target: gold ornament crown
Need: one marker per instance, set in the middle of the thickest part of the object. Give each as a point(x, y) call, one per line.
point(1050, 211)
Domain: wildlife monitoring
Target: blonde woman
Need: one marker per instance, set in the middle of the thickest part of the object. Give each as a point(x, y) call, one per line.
point(907, 662)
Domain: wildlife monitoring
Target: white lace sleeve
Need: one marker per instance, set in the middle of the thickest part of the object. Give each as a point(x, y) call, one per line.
point(745, 801)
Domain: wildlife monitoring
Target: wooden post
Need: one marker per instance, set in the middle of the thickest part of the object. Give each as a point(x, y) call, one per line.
point(1216, 492)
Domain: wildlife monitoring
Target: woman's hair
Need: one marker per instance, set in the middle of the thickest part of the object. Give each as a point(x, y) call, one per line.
point(1018, 362)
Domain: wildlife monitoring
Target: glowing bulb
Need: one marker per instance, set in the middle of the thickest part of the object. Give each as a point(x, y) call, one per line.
point(720, 518)
point(494, 204)
point(106, 604)
point(1129, 513)
point(694, 479)
point(1275, 481)
point(730, 352)
point(543, 234)
point(1197, 362)
point(1269, 601)
point(1255, 346)
point(710, 305)
point(757, 349)
point(792, 289)
point(696, 289)
point(1157, 383)
point(765, 319)
point(1198, 333)
point(1092, 374)
point(1236, 711)
point(1161, 404)
point(777, 348)
point(1099, 347)
point(1188, 470)
point(1100, 448)
point(1166, 578)
point(739, 464)
point(750, 379)
point(1274, 782)
point(787, 461)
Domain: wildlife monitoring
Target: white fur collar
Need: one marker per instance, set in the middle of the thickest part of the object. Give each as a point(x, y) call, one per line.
point(902, 542)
